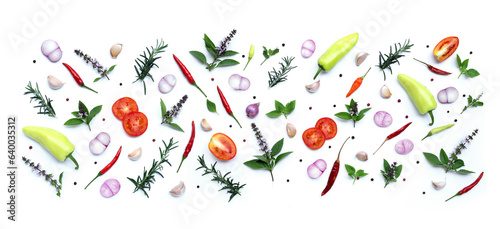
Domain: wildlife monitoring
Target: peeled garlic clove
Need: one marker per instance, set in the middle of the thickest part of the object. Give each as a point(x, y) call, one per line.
point(385, 92)
point(290, 130)
point(115, 50)
point(178, 190)
point(438, 184)
point(362, 156)
point(54, 82)
point(205, 125)
point(313, 87)
point(136, 154)
point(361, 57)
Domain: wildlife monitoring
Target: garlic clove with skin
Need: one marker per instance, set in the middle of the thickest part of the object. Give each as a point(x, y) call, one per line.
point(362, 156)
point(136, 154)
point(439, 184)
point(178, 190)
point(115, 50)
point(54, 82)
point(290, 130)
point(311, 88)
point(205, 125)
point(385, 92)
point(360, 57)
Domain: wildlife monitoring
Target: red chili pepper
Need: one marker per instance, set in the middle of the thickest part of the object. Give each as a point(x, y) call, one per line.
point(334, 172)
point(468, 188)
point(434, 69)
point(396, 133)
point(226, 105)
point(189, 145)
point(77, 77)
point(103, 171)
point(357, 83)
point(187, 74)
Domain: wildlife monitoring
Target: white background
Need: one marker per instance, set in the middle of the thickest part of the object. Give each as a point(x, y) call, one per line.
point(94, 26)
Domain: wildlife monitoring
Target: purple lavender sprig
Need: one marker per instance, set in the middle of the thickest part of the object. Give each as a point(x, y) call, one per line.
point(95, 64)
point(48, 177)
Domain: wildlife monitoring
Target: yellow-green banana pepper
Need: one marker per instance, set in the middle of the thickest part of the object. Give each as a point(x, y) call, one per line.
point(437, 130)
point(53, 141)
point(338, 50)
point(421, 96)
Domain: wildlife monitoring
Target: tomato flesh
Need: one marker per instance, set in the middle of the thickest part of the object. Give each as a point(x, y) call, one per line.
point(222, 147)
point(328, 126)
point(135, 123)
point(124, 106)
point(445, 48)
point(314, 138)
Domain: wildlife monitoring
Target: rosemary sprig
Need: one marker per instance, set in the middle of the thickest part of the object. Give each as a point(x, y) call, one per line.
point(48, 177)
point(148, 177)
point(167, 116)
point(143, 67)
point(473, 102)
point(276, 77)
point(227, 182)
point(385, 60)
point(44, 104)
point(95, 64)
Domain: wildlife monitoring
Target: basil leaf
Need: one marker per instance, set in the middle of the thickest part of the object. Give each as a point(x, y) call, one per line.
point(458, 163)
point(433, 159)
point(73, 122)
point(200, 56)
point(210, 46)
point(174, 126)
point(227, 62)
point(350, 170)
point(398, 170)
point(163, 108)
point(277, 147)
point(281, 156)
point(256, 164)
point(443, 157)
point(82, 108)
point(273, 114)
point(111, 69)
point(361, 173)
point(97, 79)
point(290, 107)
point(472, 73)
point(464, 171)
point(363, 111)
point(75, 113)
point(279, 106)
point(211, 106)
point(465, 64)
point(94, 112)
point(60, 177)
point(469, 100)
point(344, 115)
point(229, 53)
point(387, 167)
point(262, 158)
point(459, 61)
point(477, 104)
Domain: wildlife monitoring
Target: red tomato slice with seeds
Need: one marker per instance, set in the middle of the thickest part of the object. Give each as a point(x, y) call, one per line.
point(135, 123)
point(314, 138)
point(445, 48)
point(328, 126)
point(124, 106)
point(222, 147)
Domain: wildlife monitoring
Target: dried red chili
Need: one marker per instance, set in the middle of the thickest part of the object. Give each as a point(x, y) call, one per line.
point(189, 145)
point(434, 69)
point(396, 133)
point(105, 169)
point(334, 172)
point(468, 188)
point(226, 105)
point(187, 74)
point(77, 77)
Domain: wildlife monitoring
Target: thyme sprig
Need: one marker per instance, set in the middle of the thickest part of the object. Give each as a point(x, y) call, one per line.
point(44, 104)
point(228, 183)
point(96, 65)
point(148, 177)
point(385, 60)
point(217, 52)
point(48, 177)
point(167, 116)
point(143, 66)
point(452, 163)
point(473, 102)
point(276, 77)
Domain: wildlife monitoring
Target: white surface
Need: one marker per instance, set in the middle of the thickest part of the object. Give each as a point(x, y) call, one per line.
point(94, 26)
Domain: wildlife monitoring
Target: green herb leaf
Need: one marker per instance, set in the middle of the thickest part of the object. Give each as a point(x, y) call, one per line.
point(229, 53)
point(210, 46)
point(279, 106)
point(277, 147)
point(262, 158)
point(362, 112)
point(464, 171)
point(361, 173)
point(111, 68)
point(472, 73)
point(211, 106)
point(350, 170)
point(75, 113)
point(60, 177)
point(163, 107)
point(82, 108)
point(387, 167)
point(96, 110)
point(443, 157)
point(344, 115)
point(175, 126)
point(256, 164)
point(73, 122)
point(433, 159)
point(459, 61)
point(290, 107)
point(464, 65)
point(227, 62)
point(265, 52)
point(457, 164)
point(281, 156)
point(200, 56)
point(398, 170)
point(273, 114)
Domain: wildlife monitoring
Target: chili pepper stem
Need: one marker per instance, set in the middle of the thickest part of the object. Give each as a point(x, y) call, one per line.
point(194, 83)
point(428, 135)
point(422, 62)
point(85, 86)
point(246, 64)
point(458, 194)
point(381, 145)
point(432, 118)
point(232, 115)
point(363, 77)
point(74, 161)
point(317, 73)
point(98, 175)
point(181, 163)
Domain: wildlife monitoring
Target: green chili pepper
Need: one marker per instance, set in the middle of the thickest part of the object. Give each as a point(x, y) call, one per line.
point(419, 94)
point(437, 130)
point(338, 50)
point(53, 141)
point(250, 56)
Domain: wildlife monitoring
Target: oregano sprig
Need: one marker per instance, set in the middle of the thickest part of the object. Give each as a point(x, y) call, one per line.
point(462, 66)
point(144, 65)
point(44, 103)
point(352, 112)
point(83, 115)
point(276, 77)
point(473, 102)
point(268, 53)
point(281, 109)
point(228, 183)
point(217, 52)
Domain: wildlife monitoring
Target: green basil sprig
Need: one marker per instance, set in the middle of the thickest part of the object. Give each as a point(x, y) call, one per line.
point(83, 115)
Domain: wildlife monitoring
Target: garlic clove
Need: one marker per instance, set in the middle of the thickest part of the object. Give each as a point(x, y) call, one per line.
point(115, 50)
point(290, 130)
point(313, 87)
point(361, 57)
point(178, 190)
point(385, 92)
point(136, 154)
point(438, 184)
point(205, 125)
point(54, 82)
point(362, 156)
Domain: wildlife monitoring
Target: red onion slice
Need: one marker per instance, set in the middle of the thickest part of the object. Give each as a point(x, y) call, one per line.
point(404, 146)
point(51, 50)
point(110, 188)
point(104, 138)
point(448, 95)
point(238, 82)
point(382, 119)
point(167, 83)
point(316, 169)
point(308, 48)
point(99, 144)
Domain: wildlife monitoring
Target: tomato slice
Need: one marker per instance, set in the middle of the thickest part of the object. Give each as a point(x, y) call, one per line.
point(445, 48)
point(314, 138)
point(124, 106)
point(135, 123)
point(222, 147)
point(328, 126)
